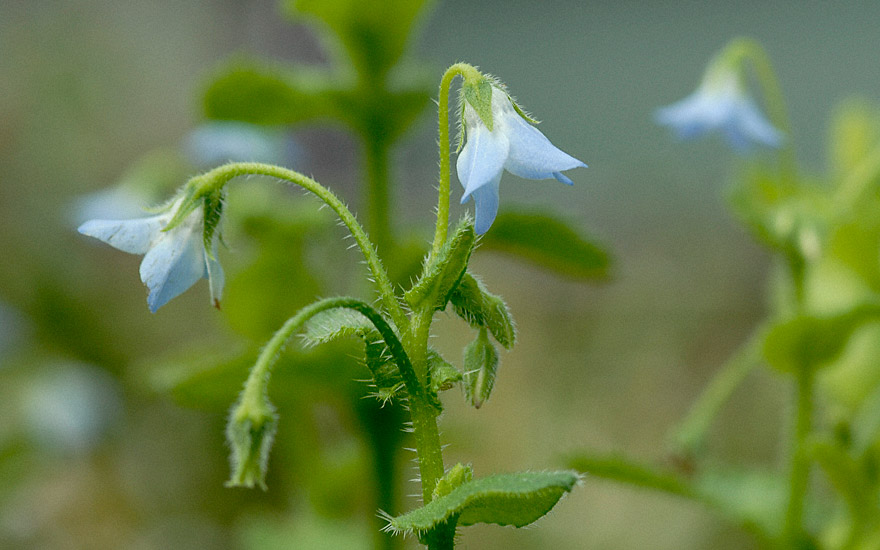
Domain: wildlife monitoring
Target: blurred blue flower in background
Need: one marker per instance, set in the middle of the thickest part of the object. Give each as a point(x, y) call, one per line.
point(218, 142)
point(721, 104)
point(70, 407)
point(513, 145)
point(173, 260)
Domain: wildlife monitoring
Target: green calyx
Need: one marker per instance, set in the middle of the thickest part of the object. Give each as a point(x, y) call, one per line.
point(477, 93)
point(250, 433)
point(442, 274)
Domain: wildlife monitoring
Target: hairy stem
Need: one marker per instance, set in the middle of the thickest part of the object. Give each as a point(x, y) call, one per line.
point(218, 177)
point(468, 72)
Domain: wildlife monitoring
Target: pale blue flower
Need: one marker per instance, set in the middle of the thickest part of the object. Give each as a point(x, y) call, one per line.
point(513, 145)
point(220, 141)
point(174, 260)
point(720, 104)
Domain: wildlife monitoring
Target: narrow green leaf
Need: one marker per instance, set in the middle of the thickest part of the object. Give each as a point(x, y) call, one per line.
point(480, 308)
point(440, 276)
point(619, 468)
point(480, 368)
point(549, 243)
point(504, 499)
point(752, 499)
point(335, 323)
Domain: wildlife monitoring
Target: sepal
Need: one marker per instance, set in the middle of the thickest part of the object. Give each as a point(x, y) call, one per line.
point(478, 94)
point(250, 434)
point(442, 274)
point(480, 367)
point(482, 309)
point(443, 374)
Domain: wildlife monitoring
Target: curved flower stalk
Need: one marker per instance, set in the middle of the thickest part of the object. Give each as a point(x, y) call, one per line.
point(503, 139)
point(721, 104)
point(175, 257)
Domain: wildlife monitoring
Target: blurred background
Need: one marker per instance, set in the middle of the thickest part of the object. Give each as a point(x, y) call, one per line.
point(97, 452)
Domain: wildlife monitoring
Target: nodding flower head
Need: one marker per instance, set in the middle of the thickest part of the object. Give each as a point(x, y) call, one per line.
point(720, 104)
point(175, 258)
point(511, 144)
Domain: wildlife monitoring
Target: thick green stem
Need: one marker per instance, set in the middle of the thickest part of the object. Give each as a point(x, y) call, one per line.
point(799, 469)
point(218, 177)
point(424, 412)
point(468, 72)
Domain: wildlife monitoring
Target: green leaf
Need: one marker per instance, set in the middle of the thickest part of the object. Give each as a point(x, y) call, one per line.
point(441, 275)
point(480, 368)
point(480, 308)
point(549, 243)
point(479, 95)
point(618, 468)
point(374, 34)
point(503, 499)
point(336, 323)
point(753, 499)
point(808, 342)
point(262, 93)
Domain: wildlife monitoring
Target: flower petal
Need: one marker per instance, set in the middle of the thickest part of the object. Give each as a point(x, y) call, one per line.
point(754, 127)
point(173, 264)
point(481, 160)
point(531, 154)
point(691, 117)
point(486, 205)
point(132, 236)
point(214, 273)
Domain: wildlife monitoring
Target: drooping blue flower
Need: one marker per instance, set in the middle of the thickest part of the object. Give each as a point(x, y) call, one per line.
point(512, 144)
point(721, 104)
point(174, 260)
point(216, 142)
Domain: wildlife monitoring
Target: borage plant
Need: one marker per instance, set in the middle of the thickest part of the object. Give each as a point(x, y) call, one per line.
point(180, 241)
